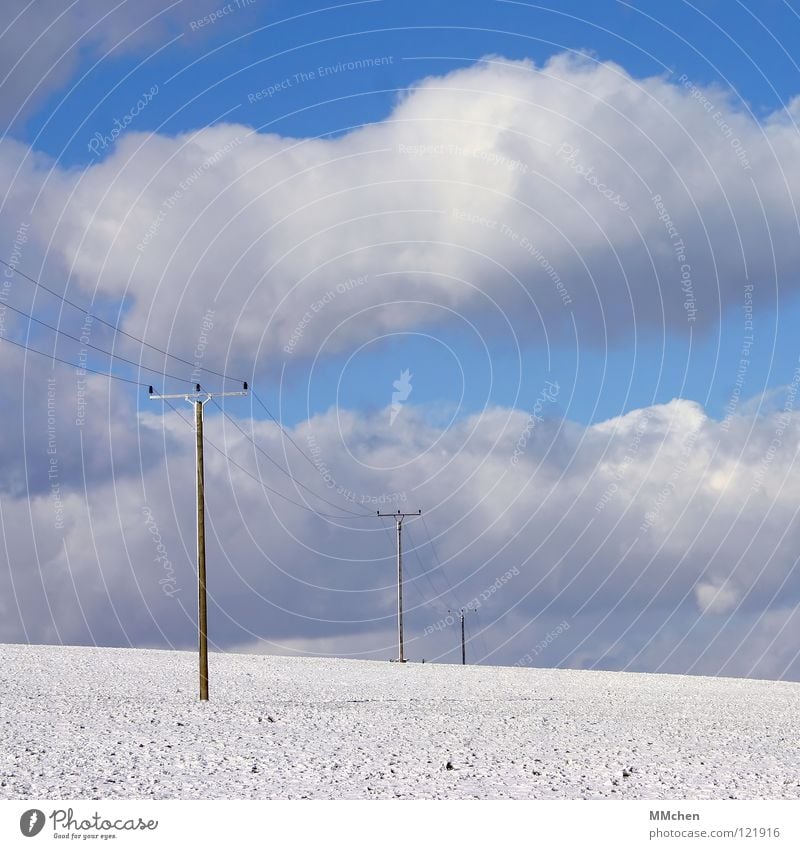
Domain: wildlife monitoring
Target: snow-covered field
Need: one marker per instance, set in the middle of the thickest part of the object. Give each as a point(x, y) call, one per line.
point(104, 723)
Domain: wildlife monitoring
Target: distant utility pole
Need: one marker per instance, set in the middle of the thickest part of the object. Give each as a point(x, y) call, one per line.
point(462, 612)
point(398, 518)
point(199, 399)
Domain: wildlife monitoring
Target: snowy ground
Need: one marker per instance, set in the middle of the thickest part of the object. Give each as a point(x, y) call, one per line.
point(104, 723)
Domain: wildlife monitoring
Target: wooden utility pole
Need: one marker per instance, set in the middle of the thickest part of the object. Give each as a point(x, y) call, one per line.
point(462, 614)
point(202, 601)
point(398, 518)
point(199, 399)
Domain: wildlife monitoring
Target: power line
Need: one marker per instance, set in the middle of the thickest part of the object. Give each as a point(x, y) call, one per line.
point(284, 431)
point(114, 327)
point(53, 357)
point(112, 376)
point(437, 595)
point(447, 581)
point(180, 415)
point(430, 542)
point(280, 468)
point(485, 648)
point(111, 354)
point(293, 442)
point(256, 478)
point(440, 569)
point(275, 491)
point(206, 439)
point(398, 516)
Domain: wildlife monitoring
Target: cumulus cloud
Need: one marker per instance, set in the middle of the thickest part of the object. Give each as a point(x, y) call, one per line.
point(507, 193)
point(652, 561)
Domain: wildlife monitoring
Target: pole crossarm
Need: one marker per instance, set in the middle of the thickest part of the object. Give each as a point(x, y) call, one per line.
point(398, 518)
point(199, 394)
point(198, 399)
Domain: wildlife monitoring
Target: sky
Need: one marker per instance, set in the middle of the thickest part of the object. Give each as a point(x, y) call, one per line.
point(531, 269)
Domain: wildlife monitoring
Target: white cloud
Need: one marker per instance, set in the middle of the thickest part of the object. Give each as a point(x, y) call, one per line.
point(566, 527)
point(716, 599)
point(485, 192)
